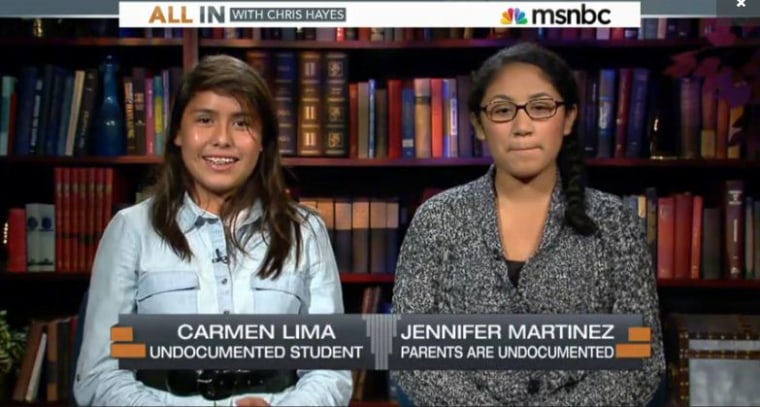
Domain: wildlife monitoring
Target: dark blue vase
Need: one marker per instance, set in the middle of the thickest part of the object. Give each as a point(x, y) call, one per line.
point(110, 138)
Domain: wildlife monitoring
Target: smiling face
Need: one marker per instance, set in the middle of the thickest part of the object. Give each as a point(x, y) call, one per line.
point(220, 143)
point(523, 147)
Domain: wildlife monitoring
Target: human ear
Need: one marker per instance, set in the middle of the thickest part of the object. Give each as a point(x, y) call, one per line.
point(570, 116)
point(178, 138)
point(478, 127)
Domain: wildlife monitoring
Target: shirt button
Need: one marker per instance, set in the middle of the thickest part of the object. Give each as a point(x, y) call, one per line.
point(224, 281)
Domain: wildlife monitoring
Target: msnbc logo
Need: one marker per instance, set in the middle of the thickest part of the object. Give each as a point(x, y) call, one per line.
point(514, 15)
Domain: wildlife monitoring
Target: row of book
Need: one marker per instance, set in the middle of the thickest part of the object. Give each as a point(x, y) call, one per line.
point(63, 236)
point(53, 111)
point(650, 29)
point(45, 371)
point(365, 233)
point(630, 112)
point(395, 118)
point(690, 239)
point(625, 112)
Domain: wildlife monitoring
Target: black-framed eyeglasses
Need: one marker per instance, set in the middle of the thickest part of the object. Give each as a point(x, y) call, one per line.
point(502, 111)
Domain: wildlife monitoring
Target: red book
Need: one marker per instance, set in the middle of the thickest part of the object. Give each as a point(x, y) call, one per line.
point(734, 227)
point(436, 115)
point(625, 82)
point(17, 240)
point(696, 237)
point(395, 120)
point(682, 236)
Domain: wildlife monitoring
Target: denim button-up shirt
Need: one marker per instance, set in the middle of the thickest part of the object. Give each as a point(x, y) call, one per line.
point(135, 271)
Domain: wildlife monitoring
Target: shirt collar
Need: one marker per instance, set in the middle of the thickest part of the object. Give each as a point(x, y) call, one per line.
point(485, 193)
point(190, 213)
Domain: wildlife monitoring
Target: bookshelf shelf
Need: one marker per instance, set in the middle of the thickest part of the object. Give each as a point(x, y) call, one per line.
point(90, 42)
point(712, 284)
point(440, 44)
point(380, 162)
point(367, 278)
point(682, 163)
point(43, 276)
point(34, 277)
point(65, 161)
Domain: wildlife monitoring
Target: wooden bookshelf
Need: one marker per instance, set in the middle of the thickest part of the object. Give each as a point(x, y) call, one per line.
point(410, 58)
point(380, 162)
point(740, 284)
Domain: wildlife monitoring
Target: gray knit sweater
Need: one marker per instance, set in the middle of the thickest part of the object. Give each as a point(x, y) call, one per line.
point(610, 272)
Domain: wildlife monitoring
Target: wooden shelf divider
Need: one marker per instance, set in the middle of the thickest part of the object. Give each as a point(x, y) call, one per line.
point(382, 162)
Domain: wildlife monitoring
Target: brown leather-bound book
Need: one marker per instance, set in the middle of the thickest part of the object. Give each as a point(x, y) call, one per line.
point(310, 129)
point(53, 365)
point(33, 342)
point(734, 228)
point(335, 109)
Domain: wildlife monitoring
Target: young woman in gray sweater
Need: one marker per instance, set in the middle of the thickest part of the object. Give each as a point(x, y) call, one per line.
point(528, 237)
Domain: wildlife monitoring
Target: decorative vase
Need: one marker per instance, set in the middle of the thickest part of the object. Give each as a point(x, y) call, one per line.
point(110, 138)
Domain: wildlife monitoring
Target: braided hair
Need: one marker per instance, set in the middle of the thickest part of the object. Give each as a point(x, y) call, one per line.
point(570, 159)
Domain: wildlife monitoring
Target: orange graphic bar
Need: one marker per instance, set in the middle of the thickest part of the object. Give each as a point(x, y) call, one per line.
point(633, 350)
point(122, 334)
point(639, 334)
point(129, 350)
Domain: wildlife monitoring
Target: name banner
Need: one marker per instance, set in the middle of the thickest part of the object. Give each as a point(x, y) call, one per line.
point(381, 342)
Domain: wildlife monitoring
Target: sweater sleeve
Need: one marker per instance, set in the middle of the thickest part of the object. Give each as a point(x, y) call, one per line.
point(415, 292)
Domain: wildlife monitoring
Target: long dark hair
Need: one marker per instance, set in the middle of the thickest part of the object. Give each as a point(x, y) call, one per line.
point(280, 220)
point(570, 159)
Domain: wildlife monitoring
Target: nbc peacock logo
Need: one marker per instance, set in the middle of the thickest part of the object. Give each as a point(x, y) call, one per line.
point(514, 16)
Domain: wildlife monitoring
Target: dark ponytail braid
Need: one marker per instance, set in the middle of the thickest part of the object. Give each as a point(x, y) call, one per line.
point(572, 171)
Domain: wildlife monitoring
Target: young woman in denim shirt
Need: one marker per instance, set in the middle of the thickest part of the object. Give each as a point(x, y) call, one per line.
point(219, 234)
